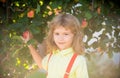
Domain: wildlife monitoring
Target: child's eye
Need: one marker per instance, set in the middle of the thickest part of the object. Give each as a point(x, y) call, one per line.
point(56, 33)
point(66, 34)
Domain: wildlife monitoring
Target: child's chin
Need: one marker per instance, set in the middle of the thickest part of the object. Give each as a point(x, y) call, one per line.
point(62, 48)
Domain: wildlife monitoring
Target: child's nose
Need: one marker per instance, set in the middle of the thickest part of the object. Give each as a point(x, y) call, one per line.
point(61, 37)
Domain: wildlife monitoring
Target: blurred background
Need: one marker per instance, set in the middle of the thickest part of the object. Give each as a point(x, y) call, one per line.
point(100, 21)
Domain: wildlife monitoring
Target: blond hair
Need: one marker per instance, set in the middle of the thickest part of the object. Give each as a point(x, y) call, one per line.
point(68, 21)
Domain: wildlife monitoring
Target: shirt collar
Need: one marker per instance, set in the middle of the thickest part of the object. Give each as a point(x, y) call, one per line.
point(63, 52)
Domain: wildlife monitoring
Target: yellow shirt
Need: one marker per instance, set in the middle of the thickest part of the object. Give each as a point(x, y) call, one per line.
point(59, 61)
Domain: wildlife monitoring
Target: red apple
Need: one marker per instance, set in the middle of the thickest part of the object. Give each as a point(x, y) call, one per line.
point(30, 14)
point(25, 34)
point(84, 23)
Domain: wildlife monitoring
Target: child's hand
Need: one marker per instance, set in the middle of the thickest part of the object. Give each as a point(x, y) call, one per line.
point(26, 36)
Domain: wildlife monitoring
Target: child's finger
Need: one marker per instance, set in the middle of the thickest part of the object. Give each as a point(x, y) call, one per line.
point(22, 38)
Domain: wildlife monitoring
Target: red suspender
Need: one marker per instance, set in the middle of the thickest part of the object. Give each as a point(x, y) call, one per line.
point(70, 66)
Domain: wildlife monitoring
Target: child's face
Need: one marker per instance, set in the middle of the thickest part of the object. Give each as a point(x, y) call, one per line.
point(63, 37)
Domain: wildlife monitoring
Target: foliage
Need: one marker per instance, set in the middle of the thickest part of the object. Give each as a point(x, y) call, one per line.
point(101, 17)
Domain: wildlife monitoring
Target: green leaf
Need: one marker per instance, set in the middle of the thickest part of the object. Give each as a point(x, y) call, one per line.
point(35, 29)
point(88, 15)
point(38, 8)
point(32, 41)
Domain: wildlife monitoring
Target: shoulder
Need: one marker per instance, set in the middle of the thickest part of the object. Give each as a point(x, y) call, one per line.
point(46, 57)
point(80, 62)
point(45, 61)
point(80, 59)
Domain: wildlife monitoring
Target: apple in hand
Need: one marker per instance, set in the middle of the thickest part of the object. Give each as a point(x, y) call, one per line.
point(25, 34)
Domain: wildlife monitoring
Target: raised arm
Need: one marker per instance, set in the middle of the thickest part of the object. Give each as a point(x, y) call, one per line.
point(36, 56)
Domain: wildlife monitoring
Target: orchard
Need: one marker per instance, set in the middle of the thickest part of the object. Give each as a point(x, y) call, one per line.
point(100, 22)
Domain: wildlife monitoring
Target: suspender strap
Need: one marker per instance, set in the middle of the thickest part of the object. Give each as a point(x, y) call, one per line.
point(49, 59)
point(48, 62)
point(70, 65)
